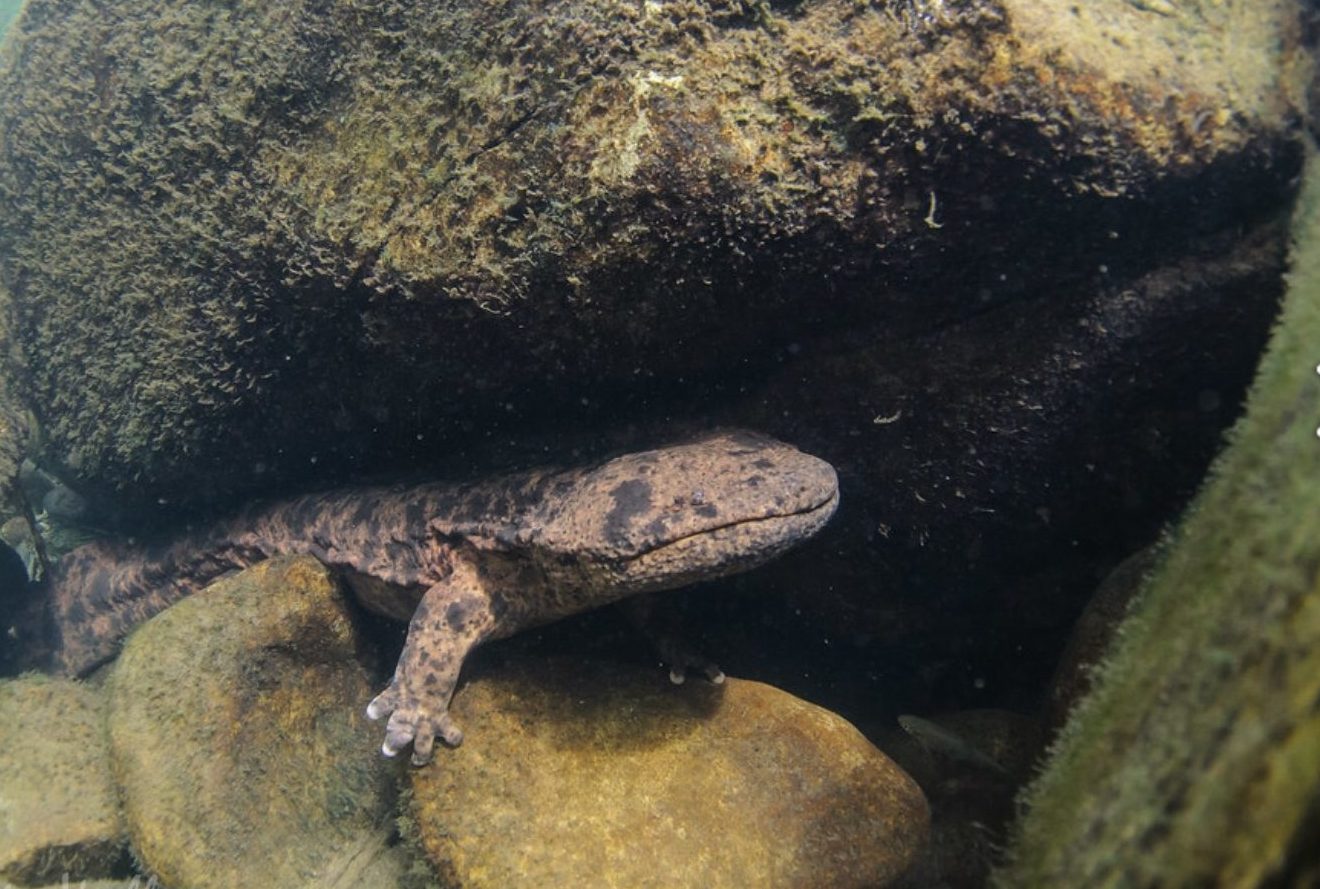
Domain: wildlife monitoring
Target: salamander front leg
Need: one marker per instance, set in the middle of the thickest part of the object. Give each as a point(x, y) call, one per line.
point(452, 619)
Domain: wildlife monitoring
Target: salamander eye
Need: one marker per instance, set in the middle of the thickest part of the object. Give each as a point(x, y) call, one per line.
point(696, 498)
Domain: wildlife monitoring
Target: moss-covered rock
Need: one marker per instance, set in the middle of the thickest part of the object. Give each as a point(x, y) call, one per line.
point(239, 743)
point(585, 774)
point(1196, 760)
point(13, 419)
point(227, 227)
point(131, 883)
point(1093, 634)
point(59, 816)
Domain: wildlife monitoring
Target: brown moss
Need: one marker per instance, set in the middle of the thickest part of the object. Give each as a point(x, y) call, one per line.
point(215, 218)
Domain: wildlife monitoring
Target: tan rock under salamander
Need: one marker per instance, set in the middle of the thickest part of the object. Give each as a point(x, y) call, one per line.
point(471, 562)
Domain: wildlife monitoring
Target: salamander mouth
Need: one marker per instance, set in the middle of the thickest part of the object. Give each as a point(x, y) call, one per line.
point(808, 520)
point(729, 548)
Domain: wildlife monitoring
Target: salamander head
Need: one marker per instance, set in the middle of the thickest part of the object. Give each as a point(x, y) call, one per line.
point(669, 517)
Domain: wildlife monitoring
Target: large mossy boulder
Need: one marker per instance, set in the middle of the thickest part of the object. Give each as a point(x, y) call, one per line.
point(238, 739)
point(592, 775)
point(59, 814)
point(252, 242)
point(13, 420)
point(1196, 760)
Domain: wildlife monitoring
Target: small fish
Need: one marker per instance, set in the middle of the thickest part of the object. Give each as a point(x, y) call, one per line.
point(939, 741)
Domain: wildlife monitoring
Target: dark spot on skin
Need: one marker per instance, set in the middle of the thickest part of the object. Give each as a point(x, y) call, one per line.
point(362, 514)
point(304, 513)
point(457, 613)
point(478, 503)
point(655, 531)
point(528, 494)
point(75, 612)
point(415, 515)
point(755, 481)
point(762, 463)
point(632, 498)
point(708, 511)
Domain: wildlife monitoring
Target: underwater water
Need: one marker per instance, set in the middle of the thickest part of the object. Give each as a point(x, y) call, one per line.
point(659, 445)
point(8, 12)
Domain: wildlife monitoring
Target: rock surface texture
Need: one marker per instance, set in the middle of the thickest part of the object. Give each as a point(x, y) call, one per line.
point(589, 775)
point(59, 816)
point(1196, 760)
point(215, 219)
point(238, 740)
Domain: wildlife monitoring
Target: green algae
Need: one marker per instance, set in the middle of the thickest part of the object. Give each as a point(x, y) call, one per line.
point(1197, 758)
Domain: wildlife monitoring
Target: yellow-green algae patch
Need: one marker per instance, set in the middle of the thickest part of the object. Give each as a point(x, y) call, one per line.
point(58, 812)
point(598, 775)
point(239, 742)
point(1196, 761)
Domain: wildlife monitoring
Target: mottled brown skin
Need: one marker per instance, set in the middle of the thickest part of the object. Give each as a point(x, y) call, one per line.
point(470, 562)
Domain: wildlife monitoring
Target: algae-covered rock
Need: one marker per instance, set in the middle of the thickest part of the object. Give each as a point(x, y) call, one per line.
point(58, 812)
point(596, 776)
point(13, 419)
point(1196, 760)
point(244, 237)
point(1093, 634)
point(239, 742)
point(133, 883)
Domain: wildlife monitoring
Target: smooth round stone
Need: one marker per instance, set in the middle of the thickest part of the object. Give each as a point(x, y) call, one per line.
point(595, 775)
point(239, 741)
point(58, 813)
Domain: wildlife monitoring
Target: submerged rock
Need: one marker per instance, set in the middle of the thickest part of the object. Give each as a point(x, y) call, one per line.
point(129, 883)
point(327, 214)
point(239, 742)
point(13, 423)
point(970, 764)
point(1093, 634)
point(1195, 761)
point(596, 775)
point(58, 813)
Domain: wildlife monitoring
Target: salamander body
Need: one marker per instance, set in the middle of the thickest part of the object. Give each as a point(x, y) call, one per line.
point(465, 563)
